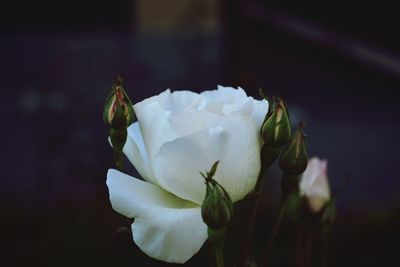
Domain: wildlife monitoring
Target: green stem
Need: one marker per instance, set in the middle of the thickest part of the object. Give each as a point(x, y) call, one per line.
point(308, 248)
point(219, 255)
point(216, 238)
point(324, 256)
point(271, 240)
point(268, 156)
point(250, 226)
point(119, 160)
point(300, 258)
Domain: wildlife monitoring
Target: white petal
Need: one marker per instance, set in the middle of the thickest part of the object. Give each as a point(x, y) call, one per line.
point(166, 228)
point(224, 100)
point(314, 183)
point(187, 123)
point(185, 101)
point(162, 99)
point(259, 111)
point(228, 100)
point(135, 151)
point(154, 125)
point(255, 110)
point(175, 102)
point(226, 95)
point(235, 143)
point(157, 115)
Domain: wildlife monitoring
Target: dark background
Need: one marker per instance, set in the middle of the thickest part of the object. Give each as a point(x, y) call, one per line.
point(336, 63)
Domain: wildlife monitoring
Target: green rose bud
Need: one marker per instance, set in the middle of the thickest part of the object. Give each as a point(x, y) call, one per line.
point(118, 113)
point(217, 207)
point(293, 159)
point(118, 110)
point(276, 127)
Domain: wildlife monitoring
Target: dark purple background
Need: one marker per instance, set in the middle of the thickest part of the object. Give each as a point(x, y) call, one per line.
point(59, 59)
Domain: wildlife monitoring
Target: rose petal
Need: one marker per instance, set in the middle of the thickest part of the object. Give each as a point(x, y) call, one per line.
point(255, 110)
point(228, 100)
point(224, 100)
point(314, 183)
point(166, 228)
point(185, 101)
point(235, 143)
point(135, 151)
point(156, 117)
point(175, 102)
point(188, 123)
point(259, 110)
point(226, 95)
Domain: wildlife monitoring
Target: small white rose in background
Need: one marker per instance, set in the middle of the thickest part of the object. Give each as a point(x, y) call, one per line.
point(177, 135)
point(314, 184)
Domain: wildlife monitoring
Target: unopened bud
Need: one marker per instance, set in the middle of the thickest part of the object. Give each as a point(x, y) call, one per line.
point(118, 113)
point(217, 207)
point(314, 184)
point(293, 159)
point(276, 127)
point(118, 109)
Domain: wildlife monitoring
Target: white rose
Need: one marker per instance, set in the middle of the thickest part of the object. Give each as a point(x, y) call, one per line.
point(314, 184)
point(178, 135)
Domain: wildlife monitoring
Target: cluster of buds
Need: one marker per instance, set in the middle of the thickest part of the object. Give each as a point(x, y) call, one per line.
point(276, 133)
point(118, 114)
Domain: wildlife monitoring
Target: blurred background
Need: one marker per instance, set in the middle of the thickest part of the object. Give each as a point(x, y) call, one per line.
point(336, 63)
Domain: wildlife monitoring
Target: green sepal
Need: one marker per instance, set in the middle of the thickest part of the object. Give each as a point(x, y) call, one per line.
point(275, 129)
point(293, 159)
point(131, 116)
point(107, 106)
point(217, 206)
point(118, 138)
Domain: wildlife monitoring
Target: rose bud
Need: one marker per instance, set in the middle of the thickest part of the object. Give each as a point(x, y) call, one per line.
point(276, 127)
point(217, 207)
point(314, 186)
point(118, 109)
point(118, 113)
point(293, 159)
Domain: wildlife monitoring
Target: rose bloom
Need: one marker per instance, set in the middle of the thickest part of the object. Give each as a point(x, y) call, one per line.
point(314, 184)
point(177, 135)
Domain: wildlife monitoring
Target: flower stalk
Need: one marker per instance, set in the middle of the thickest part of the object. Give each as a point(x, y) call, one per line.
point(270, 155)
point(268, 248)
point(275, 132)
point(216, 238)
